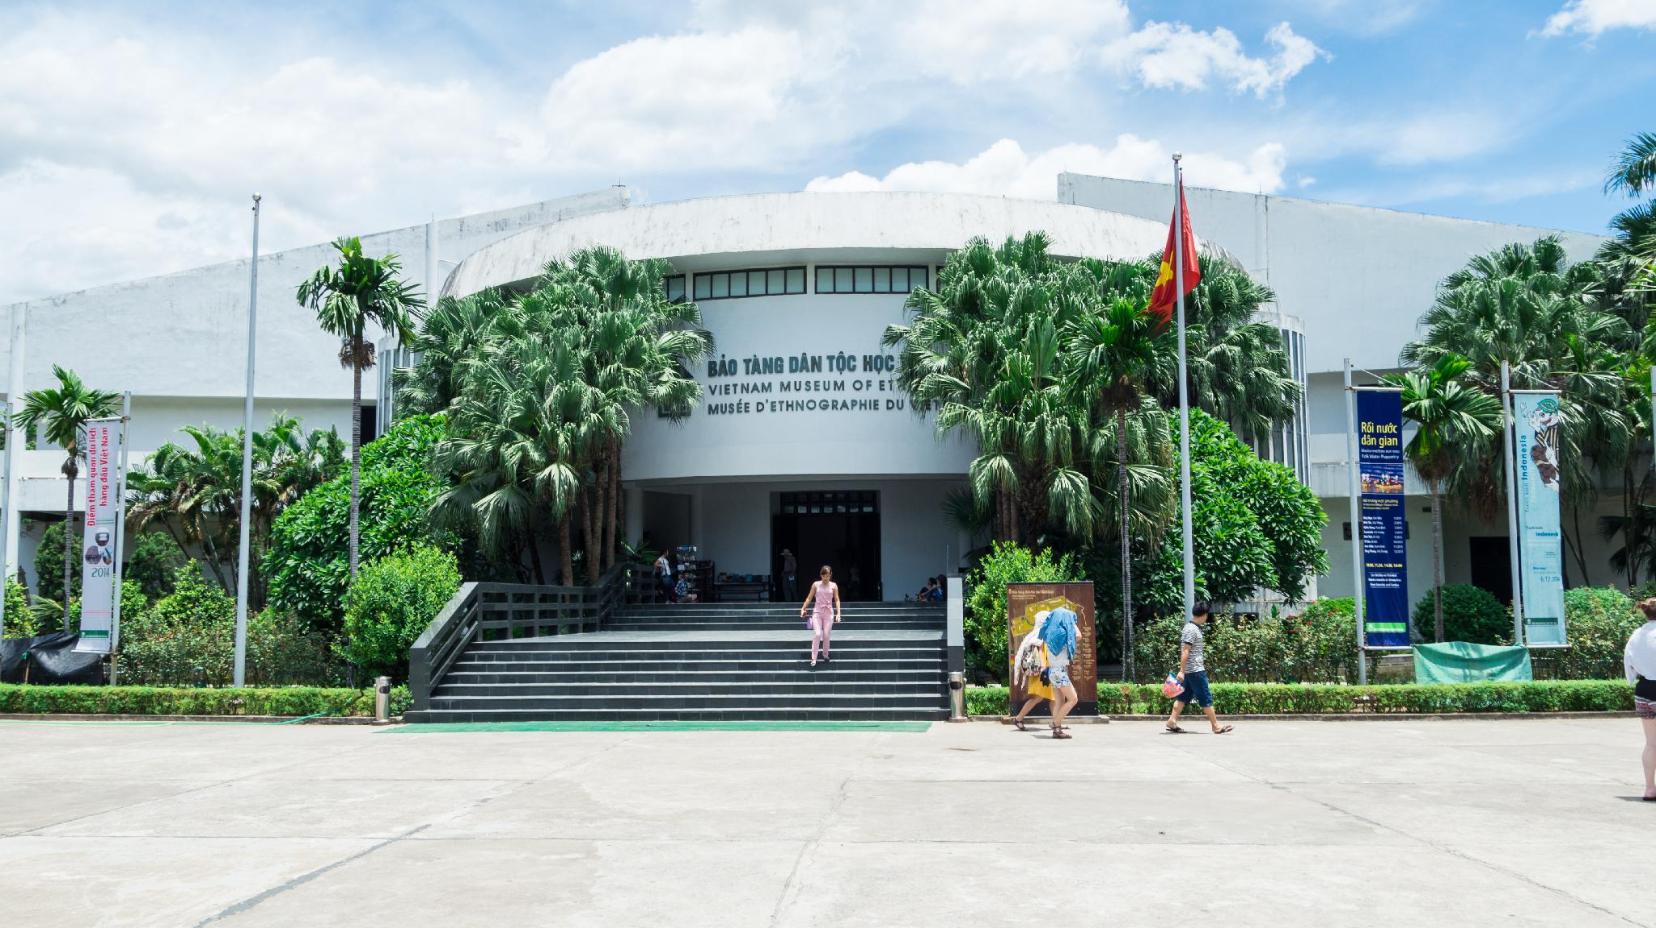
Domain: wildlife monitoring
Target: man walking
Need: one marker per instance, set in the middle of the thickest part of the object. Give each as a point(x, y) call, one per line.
point(790, 576)
point(1193, 674)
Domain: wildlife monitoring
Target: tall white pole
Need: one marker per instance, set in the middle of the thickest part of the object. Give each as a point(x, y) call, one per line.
point(14, 443)
point(1184, 392)
point(120, 537)
point(240, 676)
point(1512, 505)
point(1356, 524)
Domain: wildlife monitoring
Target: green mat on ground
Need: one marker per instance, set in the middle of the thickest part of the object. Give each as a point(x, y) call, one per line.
point(434, 727)
point(1463, 662)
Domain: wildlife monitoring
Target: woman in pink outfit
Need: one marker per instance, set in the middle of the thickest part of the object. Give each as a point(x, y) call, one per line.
point(826, 594)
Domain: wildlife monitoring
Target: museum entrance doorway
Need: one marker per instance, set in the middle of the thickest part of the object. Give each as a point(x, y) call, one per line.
point(840, 528)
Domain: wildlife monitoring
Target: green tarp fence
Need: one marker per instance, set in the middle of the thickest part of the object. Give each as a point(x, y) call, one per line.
point(1462, 662)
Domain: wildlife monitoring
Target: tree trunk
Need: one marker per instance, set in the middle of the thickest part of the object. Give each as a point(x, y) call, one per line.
point(356, 448)
point(615, 514)
point(568, 557)
point(1630, 525)
point(1126, 549)
point(1580, 548)
point(589, 532)
point(534, 555)
point(68, 532)
point(1437, 568)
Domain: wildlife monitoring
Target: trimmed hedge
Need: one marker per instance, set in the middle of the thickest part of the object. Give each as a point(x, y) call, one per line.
point(161, 700)
point(1335, 699)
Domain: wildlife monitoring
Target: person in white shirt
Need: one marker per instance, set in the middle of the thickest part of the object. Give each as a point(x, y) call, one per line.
point(1639, 663)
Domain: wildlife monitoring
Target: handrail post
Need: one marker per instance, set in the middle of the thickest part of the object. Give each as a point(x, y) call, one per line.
point(956, 635)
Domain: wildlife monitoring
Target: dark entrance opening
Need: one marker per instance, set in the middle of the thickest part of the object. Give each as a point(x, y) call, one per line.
point(1492, 565)
point(840, 528)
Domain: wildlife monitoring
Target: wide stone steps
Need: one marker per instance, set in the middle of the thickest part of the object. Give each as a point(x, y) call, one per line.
point(721, 662)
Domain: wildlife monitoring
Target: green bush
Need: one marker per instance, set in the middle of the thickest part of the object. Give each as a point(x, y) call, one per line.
point(1319, 645)
point(152, 559)
point(20, 621)
point(1333, 699)
point(1470, 613)
point(1598, 621)
point(986, 647)
point(147, 700)
point(392, 602)
point(187, 637)
point(283, 650)
point(48, 566)
point(308, 560)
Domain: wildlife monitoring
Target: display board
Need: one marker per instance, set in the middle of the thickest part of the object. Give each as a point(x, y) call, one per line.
point(1384, 528)
point(1024, 601)
point(1540, 541)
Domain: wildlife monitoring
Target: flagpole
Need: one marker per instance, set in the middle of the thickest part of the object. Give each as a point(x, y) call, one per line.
point(240, 671)
point(1184, 390)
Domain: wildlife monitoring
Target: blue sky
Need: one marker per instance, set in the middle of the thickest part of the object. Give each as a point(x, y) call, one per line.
point(130, 136)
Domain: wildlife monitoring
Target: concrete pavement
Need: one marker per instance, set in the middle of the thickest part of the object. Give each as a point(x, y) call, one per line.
point(1421, 823)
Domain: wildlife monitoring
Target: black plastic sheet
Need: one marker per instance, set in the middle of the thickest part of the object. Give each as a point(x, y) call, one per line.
point(48, 659)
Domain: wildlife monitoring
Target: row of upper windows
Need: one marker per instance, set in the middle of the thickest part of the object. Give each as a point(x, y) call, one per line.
point(786, 281)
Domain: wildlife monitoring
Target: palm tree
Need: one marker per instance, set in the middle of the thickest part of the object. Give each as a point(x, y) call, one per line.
point(64, 410)
point(1238, 367)
point(450, 333)
point(1452, 415)
point(346, 299)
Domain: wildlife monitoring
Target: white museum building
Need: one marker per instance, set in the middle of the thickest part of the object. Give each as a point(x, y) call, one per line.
point(802, 440)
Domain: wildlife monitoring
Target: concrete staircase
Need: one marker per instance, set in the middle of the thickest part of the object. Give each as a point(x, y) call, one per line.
point(716, 662)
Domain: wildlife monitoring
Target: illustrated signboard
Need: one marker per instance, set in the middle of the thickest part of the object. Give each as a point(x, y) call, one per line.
point(1540, 542)
point(1384, 532)
point(98, 540)
point(1026, 601)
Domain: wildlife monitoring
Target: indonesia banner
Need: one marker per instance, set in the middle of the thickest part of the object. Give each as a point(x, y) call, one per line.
point(1384, 528)
point(98, 541)
point(1540, 541)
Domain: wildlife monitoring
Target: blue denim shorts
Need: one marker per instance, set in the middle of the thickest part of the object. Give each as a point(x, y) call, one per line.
point(1196, 690)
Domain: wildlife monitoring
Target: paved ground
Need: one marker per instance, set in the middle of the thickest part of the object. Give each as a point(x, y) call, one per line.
point(1459, 823)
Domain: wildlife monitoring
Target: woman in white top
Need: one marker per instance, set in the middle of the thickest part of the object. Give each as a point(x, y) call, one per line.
point(1639, 662)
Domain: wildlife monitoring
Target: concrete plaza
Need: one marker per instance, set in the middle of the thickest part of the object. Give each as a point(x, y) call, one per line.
point(1455, 823)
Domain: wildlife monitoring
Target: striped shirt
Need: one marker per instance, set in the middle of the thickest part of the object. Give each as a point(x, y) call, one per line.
point(1192, 636)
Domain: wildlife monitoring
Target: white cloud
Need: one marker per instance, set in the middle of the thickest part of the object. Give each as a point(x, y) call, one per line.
point(1177, 56)
point(1004, 168)
point(1594, 17)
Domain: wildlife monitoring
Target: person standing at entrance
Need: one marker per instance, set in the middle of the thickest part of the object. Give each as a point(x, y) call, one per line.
point(1639, 661)
point(825, 593)
point(1061, 638)
point(664, 576)
point(1193, 673)
point(790, 575)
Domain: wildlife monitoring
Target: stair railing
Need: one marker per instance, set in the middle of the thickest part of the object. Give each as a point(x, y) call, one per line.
point(502, 611)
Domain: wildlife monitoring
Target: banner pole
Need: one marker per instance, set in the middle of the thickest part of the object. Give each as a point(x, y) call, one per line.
point(1186, 529)
point(10, 517)
point(120, 538)
point(239, 675)
point(1356, 525)
point(1512, 504)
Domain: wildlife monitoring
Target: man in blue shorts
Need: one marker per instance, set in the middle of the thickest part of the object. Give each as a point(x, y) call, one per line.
point(1193, 674)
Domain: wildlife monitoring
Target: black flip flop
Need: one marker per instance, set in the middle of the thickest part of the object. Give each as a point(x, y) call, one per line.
point(1174, 730)
point(1226, 729)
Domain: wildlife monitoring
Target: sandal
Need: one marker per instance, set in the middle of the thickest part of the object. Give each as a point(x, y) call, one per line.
point(1220, 731)
point(1019, 725)
point(1174, 729)
point(1061, 735)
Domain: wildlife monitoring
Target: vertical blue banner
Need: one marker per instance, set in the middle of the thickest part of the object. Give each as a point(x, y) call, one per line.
point(1540, 540)
point(1384, 532)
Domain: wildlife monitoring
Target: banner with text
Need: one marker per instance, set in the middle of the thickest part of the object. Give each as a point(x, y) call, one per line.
point(1384, 530)
point(1540, 541)
point(102, 448)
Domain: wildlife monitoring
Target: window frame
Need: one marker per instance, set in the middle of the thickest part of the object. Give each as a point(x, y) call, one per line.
point(852, 270)
point(746, 274)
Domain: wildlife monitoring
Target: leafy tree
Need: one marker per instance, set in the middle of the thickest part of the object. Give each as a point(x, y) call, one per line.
point(1454, 420)
point(152, 560)
point(392, 602)
point(986, 644)
point(20, 621)
point(307, 563)
point(64, 411)
point(452, 333)
point(347, 299)
point(48, 567)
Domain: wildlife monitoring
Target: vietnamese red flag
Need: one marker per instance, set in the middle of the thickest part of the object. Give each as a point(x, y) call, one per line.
point(1162, 298)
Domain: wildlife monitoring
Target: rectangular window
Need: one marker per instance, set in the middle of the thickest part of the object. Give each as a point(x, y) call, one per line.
point(745, 283)
point(738, 284)
point(796, 280)
point(774, 282)
point(704, 286)
point(674, 287)
point(871, 279)
point(721, 286)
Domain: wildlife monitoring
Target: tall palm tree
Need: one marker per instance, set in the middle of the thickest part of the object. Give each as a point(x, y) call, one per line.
point(1451, 415)
point(64, 411)
point(452, 331)
point(360, 291)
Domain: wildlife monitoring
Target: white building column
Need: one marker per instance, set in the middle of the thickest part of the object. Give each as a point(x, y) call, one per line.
point(14, 442)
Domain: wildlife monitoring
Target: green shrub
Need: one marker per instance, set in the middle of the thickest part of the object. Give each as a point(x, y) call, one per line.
point(1470, 613)
point(283, 650)
point(1598, 621)
point(146, 700)
point(392, 602)
point(1006, 563)
point(1333, 699)
point(20, 621)
point(48, 566)
point(1319, 645)
point(307, 563)
point(187, 637)
point(152, 559)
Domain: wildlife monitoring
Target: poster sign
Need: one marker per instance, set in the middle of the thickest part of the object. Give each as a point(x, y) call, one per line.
point(1384, 530)
point(1025, 601)
point(98, 540)
point(1540, 541)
